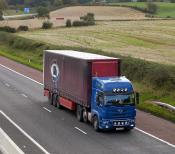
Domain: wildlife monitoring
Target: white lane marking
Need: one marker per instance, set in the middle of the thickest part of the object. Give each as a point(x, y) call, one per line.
point(80, 130)
point(8, 143)
point(7, 85)
point(142, 131)
point(24, 95)
point(157, 138)
point(47, 109)
point(21, 74)
point(24, 133)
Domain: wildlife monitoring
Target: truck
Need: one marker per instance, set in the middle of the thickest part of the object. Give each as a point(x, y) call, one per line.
point(91, 85)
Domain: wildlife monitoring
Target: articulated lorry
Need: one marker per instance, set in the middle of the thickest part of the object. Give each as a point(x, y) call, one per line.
point(91, 85)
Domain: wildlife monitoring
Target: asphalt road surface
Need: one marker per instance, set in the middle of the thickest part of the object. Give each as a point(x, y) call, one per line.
point(45, 129)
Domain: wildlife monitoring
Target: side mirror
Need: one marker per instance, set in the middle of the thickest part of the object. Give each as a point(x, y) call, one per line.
point(137, 97)
point(97, 100)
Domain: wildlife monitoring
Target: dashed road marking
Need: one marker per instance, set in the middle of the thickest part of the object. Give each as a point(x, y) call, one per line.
point(47, 109)
point(7, 85)
point(80, 130)
point(24, 95)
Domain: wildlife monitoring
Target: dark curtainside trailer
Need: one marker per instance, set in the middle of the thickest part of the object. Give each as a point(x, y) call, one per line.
point(69, 73)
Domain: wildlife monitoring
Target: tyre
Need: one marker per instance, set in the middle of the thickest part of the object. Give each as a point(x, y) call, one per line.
point(96, 124)
point(58, 103)
point(79, 113)
point(50, 99)
point(55, 100)
point(85, 115)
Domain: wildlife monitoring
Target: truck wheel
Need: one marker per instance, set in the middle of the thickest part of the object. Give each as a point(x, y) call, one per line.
point(96, 124)
point(85, 115)
point(55, 100)
point(79, 113)
point(58, 103)
point(50, 99)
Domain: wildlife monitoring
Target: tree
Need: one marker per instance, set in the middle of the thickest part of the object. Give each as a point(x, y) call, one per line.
point(1, 15)
point(151, 7)
point(70, 1)
point(3, 5)
point(58, 2)
point(43, 12)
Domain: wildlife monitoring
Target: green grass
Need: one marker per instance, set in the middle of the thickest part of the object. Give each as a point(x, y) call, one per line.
point(21, 56)
point(148, 95)
point(165, 9)
point(157, 110)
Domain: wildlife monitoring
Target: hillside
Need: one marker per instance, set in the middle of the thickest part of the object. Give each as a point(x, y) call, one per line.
point(74, 13)
point(150, 40)
point(164, 10)
point(101, 12)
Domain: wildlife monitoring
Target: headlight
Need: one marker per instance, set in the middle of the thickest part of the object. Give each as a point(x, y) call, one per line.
point(106, 122)
point(132, 120)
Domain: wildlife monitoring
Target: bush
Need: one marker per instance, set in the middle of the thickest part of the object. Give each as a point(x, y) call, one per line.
point(43, 12)
point(23, 28)
point(80, 23)
point(68, 23)
point(47, 25)
point(85, 20)
point(156, 75)
point(151, 7)
point(8, 29)
point(1, 15)
point(149, 15)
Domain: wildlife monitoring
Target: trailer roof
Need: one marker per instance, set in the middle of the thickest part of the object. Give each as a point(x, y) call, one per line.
point(80, 55)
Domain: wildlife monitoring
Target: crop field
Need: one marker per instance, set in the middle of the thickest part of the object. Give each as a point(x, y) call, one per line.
point(74, 13)
point(101, 12)
point(149, 40)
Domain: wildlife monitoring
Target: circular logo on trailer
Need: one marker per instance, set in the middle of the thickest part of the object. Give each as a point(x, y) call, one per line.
point(55, 71)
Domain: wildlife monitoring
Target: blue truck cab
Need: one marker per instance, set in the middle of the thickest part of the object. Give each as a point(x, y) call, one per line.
point(113, 103)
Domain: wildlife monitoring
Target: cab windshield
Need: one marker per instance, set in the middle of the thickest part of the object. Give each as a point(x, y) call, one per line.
point(118, 100)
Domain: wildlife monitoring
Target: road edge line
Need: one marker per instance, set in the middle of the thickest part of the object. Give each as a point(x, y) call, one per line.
point(21, 74)
point(157, 138)
point(142, 131)
point(24, 133)
point(8, 145)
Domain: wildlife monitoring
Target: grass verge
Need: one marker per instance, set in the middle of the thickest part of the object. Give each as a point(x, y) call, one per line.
point(146, 76)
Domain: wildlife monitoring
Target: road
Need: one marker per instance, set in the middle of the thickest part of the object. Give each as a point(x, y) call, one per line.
point(19, 16)
point(58, 131)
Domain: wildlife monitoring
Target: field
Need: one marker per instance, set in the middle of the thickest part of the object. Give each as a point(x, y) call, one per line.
point(164, 9)
point(101, 12)
point(74, 13)
point(149, 40)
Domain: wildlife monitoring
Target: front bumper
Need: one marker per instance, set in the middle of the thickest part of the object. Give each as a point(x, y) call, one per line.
point(119, 123)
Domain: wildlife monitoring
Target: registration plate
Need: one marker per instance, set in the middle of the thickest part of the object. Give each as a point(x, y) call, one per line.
point(120, 123)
